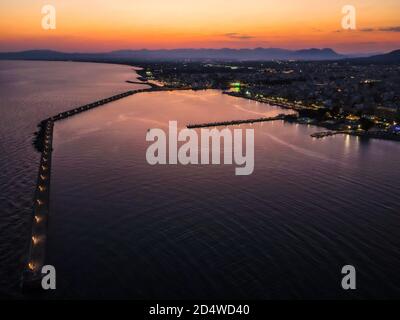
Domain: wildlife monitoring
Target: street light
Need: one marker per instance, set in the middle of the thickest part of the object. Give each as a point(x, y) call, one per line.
point(34, 240)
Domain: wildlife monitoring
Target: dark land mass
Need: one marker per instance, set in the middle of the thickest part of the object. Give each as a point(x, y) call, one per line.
point(180, 55)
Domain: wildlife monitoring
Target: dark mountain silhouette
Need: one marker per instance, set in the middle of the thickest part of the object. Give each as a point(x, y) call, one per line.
point(388, 58)
point(180, 55)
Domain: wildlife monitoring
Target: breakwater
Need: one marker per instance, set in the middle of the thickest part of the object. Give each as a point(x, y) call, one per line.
point(37, 247)
point(235, 122)
point(384, 135)
point(43, 142)
point(75, 111)
point(38, 140)
point(323, 134)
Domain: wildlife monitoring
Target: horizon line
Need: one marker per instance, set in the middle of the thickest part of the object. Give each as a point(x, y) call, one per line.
point(193, 48)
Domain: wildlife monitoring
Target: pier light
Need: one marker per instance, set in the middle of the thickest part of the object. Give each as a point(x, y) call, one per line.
point(37, 219)
point(44, 168)
point(39, 202)
point(43, 177)
point(31, 266)
point(42, 188)
point(35, 240)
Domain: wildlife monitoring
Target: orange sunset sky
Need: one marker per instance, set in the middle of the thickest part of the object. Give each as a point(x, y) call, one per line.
point(105, 25)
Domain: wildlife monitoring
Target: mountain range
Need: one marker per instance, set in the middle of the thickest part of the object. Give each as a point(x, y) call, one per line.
point(388, 58)
point(181, 54)
point(257, 54)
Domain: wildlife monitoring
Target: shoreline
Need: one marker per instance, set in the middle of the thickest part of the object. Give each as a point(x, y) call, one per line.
point(380, 135)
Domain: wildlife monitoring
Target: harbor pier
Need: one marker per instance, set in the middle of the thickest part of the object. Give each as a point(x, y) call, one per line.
point(235, 122)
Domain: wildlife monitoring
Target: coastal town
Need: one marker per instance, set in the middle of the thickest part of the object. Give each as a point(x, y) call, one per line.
point(343, 97)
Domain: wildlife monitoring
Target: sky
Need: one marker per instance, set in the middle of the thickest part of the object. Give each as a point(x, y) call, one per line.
point(106, 25)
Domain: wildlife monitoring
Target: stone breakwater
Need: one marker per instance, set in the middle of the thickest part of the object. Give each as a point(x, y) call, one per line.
point(39, 136)
point(43, 142)
point(235, 122)
point(37, 248)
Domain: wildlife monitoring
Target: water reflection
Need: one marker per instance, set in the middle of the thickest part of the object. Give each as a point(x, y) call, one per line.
point(30, 92)
point(143, 231)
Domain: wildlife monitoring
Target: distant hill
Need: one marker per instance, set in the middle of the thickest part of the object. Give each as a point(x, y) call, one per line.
point(47, 55)
point(388, 58)
point(225, 54)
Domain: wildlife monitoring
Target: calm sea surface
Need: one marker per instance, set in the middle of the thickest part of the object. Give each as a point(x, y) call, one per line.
point(30, 92)
point(120, 228)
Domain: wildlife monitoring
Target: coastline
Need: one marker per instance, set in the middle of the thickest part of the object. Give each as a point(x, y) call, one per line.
point(43, 144)
point(332, 130)
point(339, 141)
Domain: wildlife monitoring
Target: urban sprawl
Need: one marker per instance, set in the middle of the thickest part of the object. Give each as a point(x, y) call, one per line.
point(358, 99)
